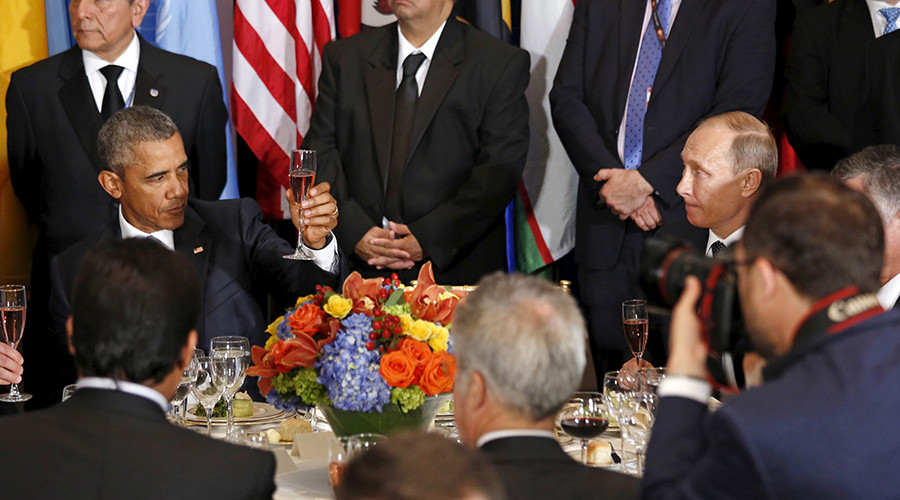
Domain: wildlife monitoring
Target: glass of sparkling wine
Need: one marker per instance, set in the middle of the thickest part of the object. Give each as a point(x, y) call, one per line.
point(303, 176)
point(12, 319)
point(234, 352)
point(209, 386)
point(636, 325)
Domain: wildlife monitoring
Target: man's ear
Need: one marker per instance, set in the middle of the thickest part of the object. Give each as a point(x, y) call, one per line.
point(768, 276)
point(752, 182)
point(111, 183)
point(69, 330)
point(187, 351)
point(138, 10)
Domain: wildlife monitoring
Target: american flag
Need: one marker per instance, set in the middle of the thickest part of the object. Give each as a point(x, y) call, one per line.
point(277, 59)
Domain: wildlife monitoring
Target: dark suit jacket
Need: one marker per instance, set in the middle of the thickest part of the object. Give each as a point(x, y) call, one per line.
point(823, 426)
point(824, 80)
point(466, 155)
point(719, 57)
point(879, 116)
point(104, 444)
point(240, 262)
point(53, 124)
point(535, 467)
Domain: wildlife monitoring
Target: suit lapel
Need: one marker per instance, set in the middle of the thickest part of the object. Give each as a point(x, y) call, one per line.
point(630, 32)
point(679, 33)
point(450, 51)
point(195, 245)
point(148, 91)
point(78, 101)
point(381, 87)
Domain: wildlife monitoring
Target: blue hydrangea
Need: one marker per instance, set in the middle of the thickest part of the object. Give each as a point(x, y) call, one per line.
point(289, 406)
point(283, 328)
point(350, 372)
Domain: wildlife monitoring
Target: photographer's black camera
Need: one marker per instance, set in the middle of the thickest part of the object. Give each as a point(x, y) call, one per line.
point(665, 265)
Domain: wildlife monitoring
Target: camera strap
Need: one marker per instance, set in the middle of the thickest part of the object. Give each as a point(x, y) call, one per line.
point(829, 316)
point(837, 312)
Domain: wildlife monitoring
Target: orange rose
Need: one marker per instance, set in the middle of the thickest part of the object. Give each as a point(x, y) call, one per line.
point(438, 374)
point(417, 351)
point(398, 369)
point(307, 319)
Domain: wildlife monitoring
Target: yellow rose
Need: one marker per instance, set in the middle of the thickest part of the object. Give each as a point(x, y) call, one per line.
point(271, 342)
point(420, 330)
point(338, 306)
point(438, 343)
point(273, 328)
point(406, 322)
point(303, 299)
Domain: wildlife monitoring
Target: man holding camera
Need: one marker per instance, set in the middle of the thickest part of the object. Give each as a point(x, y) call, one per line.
point(822, 425)
point(727, 159)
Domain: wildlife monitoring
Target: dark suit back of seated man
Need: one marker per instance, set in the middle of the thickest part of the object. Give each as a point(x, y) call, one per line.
point(131, 334)
point(520, 344)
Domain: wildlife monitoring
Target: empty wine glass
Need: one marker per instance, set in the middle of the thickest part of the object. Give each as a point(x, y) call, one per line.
point(636, 428)
point(209, 386)
point(234, 351)
point(179, 399)
point(636, 324)
point(302, 176)
point(583, 418)
point(359, 443)
point(12, 319)
point(618, 391)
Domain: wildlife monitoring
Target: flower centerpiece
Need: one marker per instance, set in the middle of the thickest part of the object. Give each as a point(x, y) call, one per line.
point(374, 358)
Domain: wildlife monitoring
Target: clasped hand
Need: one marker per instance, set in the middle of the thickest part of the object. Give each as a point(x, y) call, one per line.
point(319, 213)
point(393, 248)
point(628, 195)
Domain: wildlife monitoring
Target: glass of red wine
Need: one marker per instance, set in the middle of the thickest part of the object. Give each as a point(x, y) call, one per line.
point(636, 325)
point(12, 319)
point(583, 418)
point(302, 176)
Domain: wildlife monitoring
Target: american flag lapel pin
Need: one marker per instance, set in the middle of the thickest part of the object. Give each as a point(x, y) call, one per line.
point(198, 250)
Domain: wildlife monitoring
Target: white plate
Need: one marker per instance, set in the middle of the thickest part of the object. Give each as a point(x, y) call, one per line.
point(573, 449)
point(262, 412)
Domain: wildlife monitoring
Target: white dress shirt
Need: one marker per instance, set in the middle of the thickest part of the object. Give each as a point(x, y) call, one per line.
point(124, 386)
point(889, 293)
point(673, 11)
point(510, 433)
point(878, 20)
point(405, 48)
point(128, 60)
point(325, 258)
point(730, 240)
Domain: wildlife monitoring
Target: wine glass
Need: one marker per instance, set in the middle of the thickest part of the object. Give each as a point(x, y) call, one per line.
point(583, 418)
point(337, 460)
point(636, 428)
point(303, 176)
point(12, 319)
point(209, 386)
point(359, 443)
point(618, 391)
point(188, 376)
point(234, 351)
point(636, 326)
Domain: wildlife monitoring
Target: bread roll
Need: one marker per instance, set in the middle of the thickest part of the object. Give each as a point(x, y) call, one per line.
point(293, 426)
point(600, 453)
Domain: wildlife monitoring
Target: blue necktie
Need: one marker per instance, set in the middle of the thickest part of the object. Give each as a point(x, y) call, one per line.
point(644, 74)
point(891, 14)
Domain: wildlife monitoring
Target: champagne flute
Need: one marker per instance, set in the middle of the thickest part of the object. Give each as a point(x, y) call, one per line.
point(618, 390)
point(636, 325)
point(303, 176)
point(234, 351)
point(208, 387)
point(12, 319)
point(583, 418)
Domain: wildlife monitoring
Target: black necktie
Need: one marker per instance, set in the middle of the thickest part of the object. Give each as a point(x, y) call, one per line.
point(404, 113)
point(716, 248)
point(112, 98)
